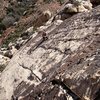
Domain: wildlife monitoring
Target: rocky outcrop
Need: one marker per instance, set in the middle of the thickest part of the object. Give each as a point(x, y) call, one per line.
point(72, 7)
point(60, 61)
point(78, 6)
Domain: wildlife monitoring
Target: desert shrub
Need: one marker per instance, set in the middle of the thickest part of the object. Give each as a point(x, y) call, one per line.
point(2, 26)
point(9, 10)
point(61, 1)
point(8, 21)
point(11, 38)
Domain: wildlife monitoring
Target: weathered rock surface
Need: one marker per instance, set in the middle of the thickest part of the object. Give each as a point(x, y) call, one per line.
point(66, 63)
point(79, 6)
point(3, 62)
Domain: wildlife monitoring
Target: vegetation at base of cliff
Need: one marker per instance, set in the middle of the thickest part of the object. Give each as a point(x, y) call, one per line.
point(14, 36)
point(2, 27)
point(14, 12)
point(11, 38)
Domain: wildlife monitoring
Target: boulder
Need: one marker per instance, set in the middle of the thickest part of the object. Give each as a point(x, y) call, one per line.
point(42, 18)
point(8, 54)
point(10, 51)
point(70, 8)
point(30, 30)
point(87, 5)
point(47, 14)
point(26, 34)
point(75, 6)
point(19, 43)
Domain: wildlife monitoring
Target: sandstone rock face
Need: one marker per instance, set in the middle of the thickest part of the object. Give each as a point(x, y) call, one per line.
point(66, 63)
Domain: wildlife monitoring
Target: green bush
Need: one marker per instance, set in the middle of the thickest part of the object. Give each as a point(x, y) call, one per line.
point(61, 1)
